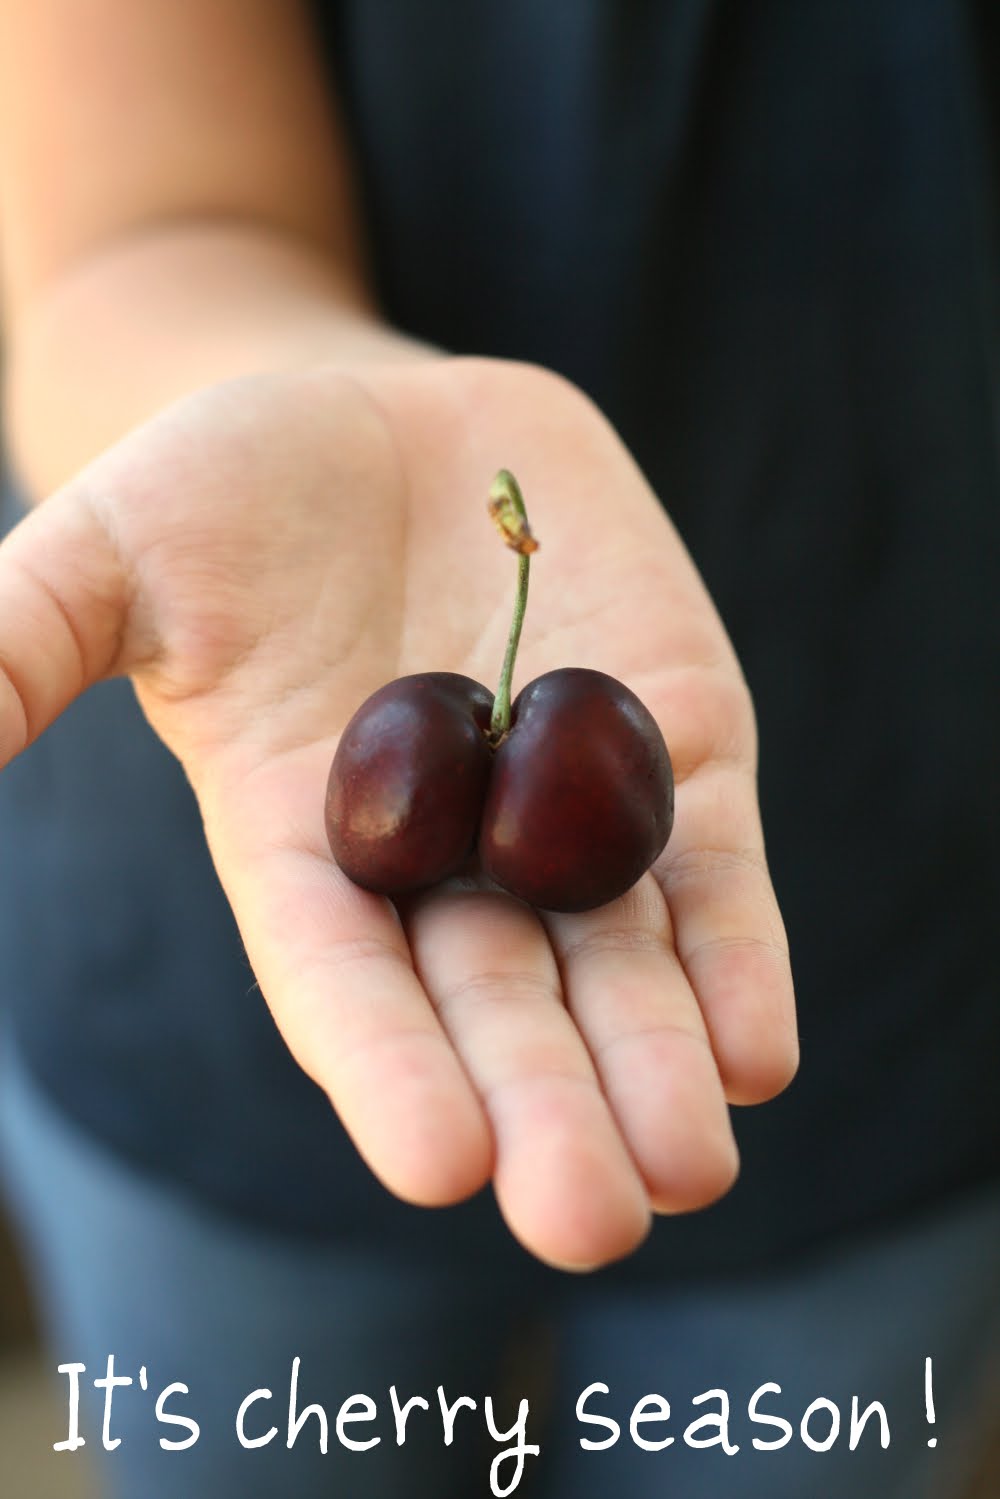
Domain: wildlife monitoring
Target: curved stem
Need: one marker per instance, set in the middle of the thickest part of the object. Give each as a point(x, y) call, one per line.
point(506, 506)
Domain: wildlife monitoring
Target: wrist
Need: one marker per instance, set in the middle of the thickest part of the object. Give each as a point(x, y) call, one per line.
point(151, 318)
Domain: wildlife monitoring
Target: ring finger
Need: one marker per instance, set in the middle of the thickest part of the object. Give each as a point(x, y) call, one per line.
point(564, 1179)
point(629, 995)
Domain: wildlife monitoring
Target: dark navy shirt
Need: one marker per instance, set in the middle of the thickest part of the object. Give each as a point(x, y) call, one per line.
point(762, 236)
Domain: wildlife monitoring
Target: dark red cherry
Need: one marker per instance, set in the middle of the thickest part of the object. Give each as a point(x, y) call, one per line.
point(569, 794)
point(581, 795)
point(407, 783)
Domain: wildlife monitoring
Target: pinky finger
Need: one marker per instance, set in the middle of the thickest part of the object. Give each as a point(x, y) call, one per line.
point(729, 933)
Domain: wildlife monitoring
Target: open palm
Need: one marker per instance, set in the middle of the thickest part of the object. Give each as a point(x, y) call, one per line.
point(263, 556)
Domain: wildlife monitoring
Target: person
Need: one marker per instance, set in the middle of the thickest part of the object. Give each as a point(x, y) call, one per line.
point(284, 286)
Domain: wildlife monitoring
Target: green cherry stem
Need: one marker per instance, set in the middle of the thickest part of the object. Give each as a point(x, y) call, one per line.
point(506, 506)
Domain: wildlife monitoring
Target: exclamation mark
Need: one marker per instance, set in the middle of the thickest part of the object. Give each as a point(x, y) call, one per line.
point(929, 1398)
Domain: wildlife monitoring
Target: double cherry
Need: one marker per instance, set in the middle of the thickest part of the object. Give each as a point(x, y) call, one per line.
point(566, 796)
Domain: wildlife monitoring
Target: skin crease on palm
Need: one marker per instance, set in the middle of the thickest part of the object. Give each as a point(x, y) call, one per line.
point(261, 557)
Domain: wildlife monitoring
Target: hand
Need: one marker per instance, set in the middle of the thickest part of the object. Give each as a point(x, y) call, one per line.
point(266, 553)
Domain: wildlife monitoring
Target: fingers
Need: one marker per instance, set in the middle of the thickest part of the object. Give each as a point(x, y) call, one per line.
point(634, 1006)
point(64, 598)
point(492, 1079)
point(729, 933)
point(334, 966)
point(583, 1061)
point(564, 1178)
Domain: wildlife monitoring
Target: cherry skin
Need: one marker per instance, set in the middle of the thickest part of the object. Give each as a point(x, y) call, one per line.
point(408, 780)
point(569, 809)
point(568, 793)
point(581, 794)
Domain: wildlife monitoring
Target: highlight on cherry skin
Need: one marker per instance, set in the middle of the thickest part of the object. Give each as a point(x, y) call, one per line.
point(566, 795)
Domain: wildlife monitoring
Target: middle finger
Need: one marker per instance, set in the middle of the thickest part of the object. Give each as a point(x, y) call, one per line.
point(564, 1179)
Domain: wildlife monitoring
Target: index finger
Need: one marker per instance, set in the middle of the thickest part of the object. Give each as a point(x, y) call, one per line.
point(335, 968)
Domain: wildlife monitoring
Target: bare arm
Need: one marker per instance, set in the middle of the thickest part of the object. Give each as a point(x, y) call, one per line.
point(176, 208)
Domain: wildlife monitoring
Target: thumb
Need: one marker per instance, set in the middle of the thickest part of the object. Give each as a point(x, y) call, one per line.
point(65, 597)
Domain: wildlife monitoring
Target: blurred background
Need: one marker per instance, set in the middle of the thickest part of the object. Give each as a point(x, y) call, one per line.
point(32, 1412)
point(31, 1417)
point(33, 1407)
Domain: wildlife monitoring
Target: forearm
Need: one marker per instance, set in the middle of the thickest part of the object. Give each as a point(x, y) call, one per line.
point(177, 206)
point(151, 316)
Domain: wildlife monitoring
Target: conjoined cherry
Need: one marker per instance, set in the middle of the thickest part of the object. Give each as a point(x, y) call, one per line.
point(567, 796)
